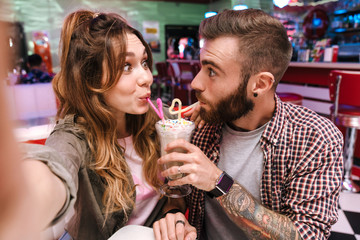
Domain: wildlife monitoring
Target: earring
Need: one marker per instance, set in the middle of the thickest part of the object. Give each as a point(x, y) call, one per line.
point(255, 94)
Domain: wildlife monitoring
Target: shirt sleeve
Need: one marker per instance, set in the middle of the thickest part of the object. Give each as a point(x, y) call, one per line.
point(314, 186)
point(63, 155)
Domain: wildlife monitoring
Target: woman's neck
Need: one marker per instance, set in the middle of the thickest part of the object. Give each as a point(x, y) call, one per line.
point(121, 129)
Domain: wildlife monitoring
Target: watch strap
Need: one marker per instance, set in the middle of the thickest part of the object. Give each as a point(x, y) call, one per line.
point(222, 186)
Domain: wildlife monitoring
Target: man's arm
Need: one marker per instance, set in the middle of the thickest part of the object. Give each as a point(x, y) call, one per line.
point(254, 219)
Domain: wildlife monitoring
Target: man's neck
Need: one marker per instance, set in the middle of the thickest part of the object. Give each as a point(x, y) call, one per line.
point(262, 113)
point(236, 128)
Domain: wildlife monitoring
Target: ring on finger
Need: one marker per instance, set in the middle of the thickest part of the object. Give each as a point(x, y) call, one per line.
point(180, 221)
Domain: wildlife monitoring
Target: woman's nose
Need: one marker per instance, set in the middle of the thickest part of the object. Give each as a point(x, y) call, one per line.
point(146, 78)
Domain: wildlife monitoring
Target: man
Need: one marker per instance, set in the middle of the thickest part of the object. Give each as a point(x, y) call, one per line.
point(38, 72)
point(278, 167)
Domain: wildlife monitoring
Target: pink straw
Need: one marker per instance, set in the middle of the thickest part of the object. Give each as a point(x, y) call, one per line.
point(160, 106)
point(159, 111)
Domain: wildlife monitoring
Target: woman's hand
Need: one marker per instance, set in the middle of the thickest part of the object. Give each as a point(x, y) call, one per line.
point(174, 226)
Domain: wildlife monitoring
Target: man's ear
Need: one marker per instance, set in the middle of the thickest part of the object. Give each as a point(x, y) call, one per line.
point(263, 82)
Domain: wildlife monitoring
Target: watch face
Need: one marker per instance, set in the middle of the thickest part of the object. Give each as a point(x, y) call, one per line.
point(223, 186)
point(225, 183)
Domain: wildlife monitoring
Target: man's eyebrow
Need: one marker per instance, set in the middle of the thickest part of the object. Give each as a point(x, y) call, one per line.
point(207, 62)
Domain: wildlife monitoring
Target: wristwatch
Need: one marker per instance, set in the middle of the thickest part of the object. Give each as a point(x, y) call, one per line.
point(222, 186)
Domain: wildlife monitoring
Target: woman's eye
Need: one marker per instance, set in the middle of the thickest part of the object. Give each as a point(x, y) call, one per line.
point(127, 67)
point(145, 64)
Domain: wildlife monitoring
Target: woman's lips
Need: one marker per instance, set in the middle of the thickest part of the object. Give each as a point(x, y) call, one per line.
point(145, 97)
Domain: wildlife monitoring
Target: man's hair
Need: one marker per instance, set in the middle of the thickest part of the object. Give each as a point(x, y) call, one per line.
point(34, 60)
point(263, 41)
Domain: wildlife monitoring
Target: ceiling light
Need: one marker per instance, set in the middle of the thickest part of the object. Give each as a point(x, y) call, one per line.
point(210, 14)
point(281, 3)
point(240, 7)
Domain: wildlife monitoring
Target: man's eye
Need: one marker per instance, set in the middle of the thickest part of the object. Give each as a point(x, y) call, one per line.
point(211, 72)
point(127, 67)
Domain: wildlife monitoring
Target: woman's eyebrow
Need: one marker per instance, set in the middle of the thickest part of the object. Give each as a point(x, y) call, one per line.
point(132, 54)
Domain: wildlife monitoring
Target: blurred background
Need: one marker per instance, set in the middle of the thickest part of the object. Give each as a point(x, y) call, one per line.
point(325, 35)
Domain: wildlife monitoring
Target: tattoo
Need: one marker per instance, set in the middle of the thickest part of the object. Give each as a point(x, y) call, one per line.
point(254, 219)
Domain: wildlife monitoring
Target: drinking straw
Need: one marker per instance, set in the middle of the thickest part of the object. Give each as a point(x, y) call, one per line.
point(171, 109)
point(189, 107)
point(180, 109)
point(159, 111)
point(160, 106)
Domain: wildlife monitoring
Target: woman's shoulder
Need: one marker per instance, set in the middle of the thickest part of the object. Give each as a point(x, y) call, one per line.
point(68, 136)
point(68, 124)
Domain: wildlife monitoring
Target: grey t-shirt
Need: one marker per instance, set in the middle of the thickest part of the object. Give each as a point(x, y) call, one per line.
point(242, 158)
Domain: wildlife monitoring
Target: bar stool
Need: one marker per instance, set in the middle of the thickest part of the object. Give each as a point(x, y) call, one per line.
point(164, 80)
point(344, 87)
point(293, 98)
point(182, 89)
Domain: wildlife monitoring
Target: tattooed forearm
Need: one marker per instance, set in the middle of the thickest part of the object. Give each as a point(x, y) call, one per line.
point(254, 219)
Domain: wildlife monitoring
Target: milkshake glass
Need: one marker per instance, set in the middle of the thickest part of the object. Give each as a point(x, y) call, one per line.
point(168, 131)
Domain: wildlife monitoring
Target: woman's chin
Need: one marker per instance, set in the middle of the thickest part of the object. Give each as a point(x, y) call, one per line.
point(141, 110)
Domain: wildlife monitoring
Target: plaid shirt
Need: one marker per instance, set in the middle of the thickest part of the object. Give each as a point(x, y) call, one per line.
point(302, 169)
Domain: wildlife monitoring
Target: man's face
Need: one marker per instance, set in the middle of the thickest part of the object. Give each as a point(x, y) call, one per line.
point(220, 86)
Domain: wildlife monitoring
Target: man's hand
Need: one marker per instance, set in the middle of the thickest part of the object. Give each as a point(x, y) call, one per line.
point(174, 226)
point(198, 169)
point(194, 114)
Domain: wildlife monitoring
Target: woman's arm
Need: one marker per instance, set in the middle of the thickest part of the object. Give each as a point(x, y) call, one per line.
point(47, 192)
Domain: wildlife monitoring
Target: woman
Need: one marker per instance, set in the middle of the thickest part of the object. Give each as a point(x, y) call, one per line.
point(104, 143)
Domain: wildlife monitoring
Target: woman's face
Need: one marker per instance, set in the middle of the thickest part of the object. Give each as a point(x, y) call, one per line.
point(133, 88)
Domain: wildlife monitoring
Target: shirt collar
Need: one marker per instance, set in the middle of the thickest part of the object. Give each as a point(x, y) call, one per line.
point(273, 130)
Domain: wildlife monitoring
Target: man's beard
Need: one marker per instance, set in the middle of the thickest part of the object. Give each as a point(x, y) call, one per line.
point(230, 108)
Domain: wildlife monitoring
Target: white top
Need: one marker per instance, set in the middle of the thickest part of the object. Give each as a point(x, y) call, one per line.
point(146, 196)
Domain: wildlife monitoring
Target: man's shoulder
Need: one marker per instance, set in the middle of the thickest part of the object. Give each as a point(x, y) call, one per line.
point(208, 133)
point(301, 117)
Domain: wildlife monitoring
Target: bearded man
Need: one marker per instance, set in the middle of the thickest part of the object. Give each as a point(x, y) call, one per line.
point(260, 168)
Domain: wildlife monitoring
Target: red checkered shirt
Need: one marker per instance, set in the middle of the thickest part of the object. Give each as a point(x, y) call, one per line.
point(302, 170)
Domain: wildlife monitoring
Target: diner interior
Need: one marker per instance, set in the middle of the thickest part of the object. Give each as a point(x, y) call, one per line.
point(325, 35)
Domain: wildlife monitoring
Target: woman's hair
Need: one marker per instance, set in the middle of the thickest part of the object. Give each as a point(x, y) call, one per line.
point(263, 40)
point(93, 44)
